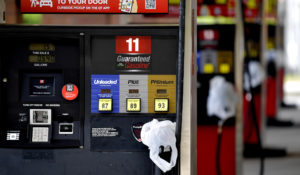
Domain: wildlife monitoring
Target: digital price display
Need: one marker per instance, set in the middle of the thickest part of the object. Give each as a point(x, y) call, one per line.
point(41, 47)
point(161, 91)
point(161, 105)
point(105, 91)
point(133, 104)
point(41, 59)
point(105, 104)
point(133, 91)
point(41, 53)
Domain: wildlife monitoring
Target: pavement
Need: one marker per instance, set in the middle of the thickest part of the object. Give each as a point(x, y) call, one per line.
point(288, 138)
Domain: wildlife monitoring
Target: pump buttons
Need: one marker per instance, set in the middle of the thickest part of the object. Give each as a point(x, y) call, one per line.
point(70, 92)
point(105, 105)
point(161, 105)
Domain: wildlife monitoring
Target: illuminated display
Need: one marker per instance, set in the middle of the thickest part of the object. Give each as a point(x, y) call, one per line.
point(41, 47)
point(105, 91)
point(161, 91)
point(41, 59)
point(41, 86)
point(133, 91)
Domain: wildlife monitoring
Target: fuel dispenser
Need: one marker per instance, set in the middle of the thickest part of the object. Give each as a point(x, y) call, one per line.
point(74, 99)
point(215, 58)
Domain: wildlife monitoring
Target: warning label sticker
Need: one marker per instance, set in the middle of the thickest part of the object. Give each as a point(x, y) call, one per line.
point(105, 132)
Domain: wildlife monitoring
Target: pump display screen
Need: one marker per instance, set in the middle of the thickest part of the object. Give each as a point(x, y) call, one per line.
point(41, 59)
point(105, 91)
point(41, 53)
point(41, 86)
point(133, 91)
point(161, 91)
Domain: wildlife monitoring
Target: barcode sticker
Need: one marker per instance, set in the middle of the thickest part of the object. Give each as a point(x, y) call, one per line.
point(150, 4)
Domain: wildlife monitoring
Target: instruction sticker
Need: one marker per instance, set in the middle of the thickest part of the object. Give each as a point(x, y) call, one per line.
point(105, 132)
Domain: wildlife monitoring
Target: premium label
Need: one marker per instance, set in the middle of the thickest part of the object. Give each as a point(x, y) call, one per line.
point(225, 61)
point(162, 87)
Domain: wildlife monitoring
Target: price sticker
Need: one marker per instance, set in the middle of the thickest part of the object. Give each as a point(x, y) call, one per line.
point(161, 105)
point(105, 104)
point(133, 105)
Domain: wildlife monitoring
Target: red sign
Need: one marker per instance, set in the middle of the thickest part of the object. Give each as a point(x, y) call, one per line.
point(208, 34)
point(70, 92)
point(133, 44)
point(94, 6)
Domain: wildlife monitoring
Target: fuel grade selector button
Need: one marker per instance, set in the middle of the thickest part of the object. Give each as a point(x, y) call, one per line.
point(133, 104)
point(161, 105)
point(70, 91)
point(105, 105)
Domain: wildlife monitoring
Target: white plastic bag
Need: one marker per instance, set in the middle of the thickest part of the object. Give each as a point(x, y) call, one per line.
point(155, 134)
point(222, 98)
point(257, 75)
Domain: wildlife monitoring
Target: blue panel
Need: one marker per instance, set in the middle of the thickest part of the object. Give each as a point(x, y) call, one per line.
point(199, 61)
point(111, 82)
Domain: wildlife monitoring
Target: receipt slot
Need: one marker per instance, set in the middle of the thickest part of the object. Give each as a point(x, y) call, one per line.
point(73, 100)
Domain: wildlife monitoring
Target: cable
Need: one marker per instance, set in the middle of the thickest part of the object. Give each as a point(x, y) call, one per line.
point(179, 86)
point(179, 92)
point(252, 105)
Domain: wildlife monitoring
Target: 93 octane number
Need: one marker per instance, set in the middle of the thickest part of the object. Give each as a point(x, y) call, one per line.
point(161, 105)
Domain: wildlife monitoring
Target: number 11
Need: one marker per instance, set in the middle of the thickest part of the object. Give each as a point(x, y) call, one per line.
point(136, 44)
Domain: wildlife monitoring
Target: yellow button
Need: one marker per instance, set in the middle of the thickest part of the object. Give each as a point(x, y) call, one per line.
point(161, 105)
point(221, 1)
point(208, 68)
point(105, 104)
point(133, 105)
point(224, 68)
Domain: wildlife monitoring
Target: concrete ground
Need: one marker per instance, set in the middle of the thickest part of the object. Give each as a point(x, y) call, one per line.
point(288, 138)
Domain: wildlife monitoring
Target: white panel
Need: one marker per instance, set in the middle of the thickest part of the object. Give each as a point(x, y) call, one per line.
point(133, 83)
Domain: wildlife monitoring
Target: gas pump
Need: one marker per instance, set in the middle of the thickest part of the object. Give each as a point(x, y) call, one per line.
point(74, 99)
point(215, 151)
